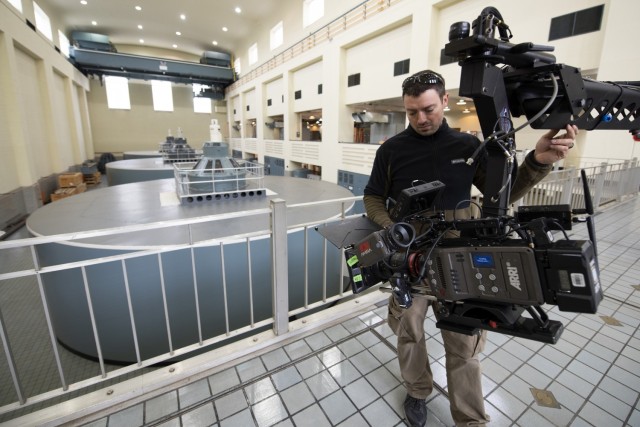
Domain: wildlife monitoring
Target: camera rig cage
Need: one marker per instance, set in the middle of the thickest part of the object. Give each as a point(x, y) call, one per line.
point(486, 278)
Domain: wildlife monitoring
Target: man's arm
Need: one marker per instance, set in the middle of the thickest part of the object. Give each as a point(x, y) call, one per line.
point(530, 172)
point(538, 163)
point(377, 210)
point(549, 149)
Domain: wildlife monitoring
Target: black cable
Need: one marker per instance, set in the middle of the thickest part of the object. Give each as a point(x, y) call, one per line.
point(556, 222)
point(539, 114)
point(465, 201)
point(423, 269)
point(504, 187)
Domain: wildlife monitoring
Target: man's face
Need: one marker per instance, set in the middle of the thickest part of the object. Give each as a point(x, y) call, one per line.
point(426, 111)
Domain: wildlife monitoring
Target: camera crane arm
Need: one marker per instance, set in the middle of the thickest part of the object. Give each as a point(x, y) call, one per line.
point(529, 82)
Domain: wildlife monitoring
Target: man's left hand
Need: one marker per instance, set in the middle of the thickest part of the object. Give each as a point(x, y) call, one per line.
point(551, 148)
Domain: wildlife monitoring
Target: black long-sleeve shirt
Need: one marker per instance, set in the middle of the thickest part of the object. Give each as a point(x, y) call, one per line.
point(409, 159)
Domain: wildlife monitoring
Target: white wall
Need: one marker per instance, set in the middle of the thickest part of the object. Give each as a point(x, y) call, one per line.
point(306, 80)
point(419, 29)
point(274, 91)
point(142, 128)
point(251, 104)
point(48, 135)
point(383, 50)
point(619, 61)
point(291, 16)
point(45, 128)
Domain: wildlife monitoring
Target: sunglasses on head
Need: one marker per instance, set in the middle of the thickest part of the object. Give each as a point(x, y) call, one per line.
point(424, 78)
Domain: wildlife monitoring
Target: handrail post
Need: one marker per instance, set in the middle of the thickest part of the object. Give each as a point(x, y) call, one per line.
point(622, 182)
point(279, 262)
point(635, 177)
point(11, 362)
point(567, 190)
point(599, 186)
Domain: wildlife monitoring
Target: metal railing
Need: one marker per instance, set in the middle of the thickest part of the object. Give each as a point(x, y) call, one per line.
point(607, 183)
point(245, 180)
point(322, 278)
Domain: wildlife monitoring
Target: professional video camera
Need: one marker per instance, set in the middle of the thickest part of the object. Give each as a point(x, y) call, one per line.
point(500, 266)
point(486, 278)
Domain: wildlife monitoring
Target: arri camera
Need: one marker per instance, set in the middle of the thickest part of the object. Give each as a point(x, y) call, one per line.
point(487, 278)
point(499, 269)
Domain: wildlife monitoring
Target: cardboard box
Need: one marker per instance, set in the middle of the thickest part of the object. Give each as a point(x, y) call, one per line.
point(63, 192)
point(69, 179)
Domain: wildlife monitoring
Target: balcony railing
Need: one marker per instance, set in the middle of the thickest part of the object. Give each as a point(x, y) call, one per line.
point(319, 283)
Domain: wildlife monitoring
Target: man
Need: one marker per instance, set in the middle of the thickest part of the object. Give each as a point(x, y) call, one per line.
point(429, 150)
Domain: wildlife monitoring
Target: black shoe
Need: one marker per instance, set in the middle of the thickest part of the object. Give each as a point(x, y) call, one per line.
point(415, 410)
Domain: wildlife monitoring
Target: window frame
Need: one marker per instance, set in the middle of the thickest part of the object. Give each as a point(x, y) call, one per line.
point(312, 11)
point(43, 22)
point(252, 54)
point(276, 36)
point(17, 4)
point(116, 88)
point(162, 93)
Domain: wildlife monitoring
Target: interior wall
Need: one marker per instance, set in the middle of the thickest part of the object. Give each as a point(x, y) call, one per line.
point(421, 29)
point(373, 59)
point(291, 18)
point(40, 149)
point(33, 146)
point(619, 61)
point(274, 92)
point(306, 80)
point(39, 122)
point(9, 176)
point(142, 128)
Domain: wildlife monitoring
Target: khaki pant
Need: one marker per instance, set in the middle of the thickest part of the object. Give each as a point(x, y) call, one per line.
point(462, 364)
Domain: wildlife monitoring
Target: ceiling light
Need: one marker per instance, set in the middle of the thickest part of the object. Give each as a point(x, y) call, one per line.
point(178, 33)
point(215, 43)
point(447, 108)
point(466, 110)
point(175, 46)
point(183, 16)
point(94, 23)
point(138, 8)
point(461, 102)
point(83, 2)
point(225, 29)
point(238, 10)
point(141, 40)
point(139, 27)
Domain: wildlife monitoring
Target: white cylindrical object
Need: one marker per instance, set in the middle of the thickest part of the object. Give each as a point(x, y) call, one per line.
point(214, 131)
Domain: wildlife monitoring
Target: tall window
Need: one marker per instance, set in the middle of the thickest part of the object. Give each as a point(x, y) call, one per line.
point(253, 54)
point(277, 36)
point(64, 43)
point(117, 92)
point(43, 24)
point(162, 96)
point(17, 4)
point(237, 66)
point(312, 10)
point(201, 104)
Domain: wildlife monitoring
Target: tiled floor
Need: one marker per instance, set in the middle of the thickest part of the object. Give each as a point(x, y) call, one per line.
point(347, 375)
